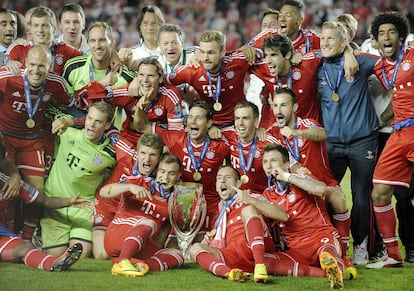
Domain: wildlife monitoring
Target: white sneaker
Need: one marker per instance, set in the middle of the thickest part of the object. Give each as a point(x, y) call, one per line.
point(361, 256)
point(385, 262)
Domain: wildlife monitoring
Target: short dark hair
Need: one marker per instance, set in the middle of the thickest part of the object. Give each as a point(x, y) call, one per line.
point(286, 90)
point(236, 173)
point(391, 17)
point(300, 5)
point(279, 148)
point(280, 42)
point(72, 7)
point(204, 105)
point(151, 61)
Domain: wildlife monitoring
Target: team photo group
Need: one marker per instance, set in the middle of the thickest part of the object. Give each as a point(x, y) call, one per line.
point(226, 154)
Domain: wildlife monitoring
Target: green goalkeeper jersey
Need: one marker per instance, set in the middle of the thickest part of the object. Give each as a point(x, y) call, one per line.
point(80, 165)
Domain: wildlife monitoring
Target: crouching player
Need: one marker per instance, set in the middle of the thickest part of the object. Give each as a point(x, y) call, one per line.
point(237, 244)
point(311, 238)
point(131, 237)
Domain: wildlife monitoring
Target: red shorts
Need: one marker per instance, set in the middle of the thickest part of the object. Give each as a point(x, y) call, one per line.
point(395, 165)
point(105, 210)
point(7, 245)
point(307, 251)
point(239, 255)
point(27, 154)
point(115, 236)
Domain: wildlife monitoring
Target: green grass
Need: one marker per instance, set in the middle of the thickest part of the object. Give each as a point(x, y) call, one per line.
point(90, 274)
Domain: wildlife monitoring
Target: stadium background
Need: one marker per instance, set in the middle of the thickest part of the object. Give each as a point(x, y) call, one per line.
point(239, 20)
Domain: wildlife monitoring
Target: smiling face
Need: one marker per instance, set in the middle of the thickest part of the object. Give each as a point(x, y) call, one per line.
point(270, 21)
point(149, 27)
point(171, 46)
point(148, 78)
point(389, 42)
point(225, 181)
point(245, 123)
point(42, 30)
point(96, 124)
point(331, 43)
point(37, 65)
point(99, 45)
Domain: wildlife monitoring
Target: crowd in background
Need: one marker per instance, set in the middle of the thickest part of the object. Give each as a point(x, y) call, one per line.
point(238, 20)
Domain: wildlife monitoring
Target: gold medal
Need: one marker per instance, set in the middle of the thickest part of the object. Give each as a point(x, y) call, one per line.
point(335, 97)
point(244, 179)
point(391, 93)
point(213, 232)
point(197, 176)
point(217, 106)
point(30, 123)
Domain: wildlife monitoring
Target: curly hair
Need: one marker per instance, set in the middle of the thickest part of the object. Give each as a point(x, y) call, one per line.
point(390, 17)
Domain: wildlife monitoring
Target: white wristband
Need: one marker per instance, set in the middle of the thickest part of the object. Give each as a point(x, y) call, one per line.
point(285, 176)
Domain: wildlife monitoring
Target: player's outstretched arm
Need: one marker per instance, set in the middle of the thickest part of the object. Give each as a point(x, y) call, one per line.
point(268, 209)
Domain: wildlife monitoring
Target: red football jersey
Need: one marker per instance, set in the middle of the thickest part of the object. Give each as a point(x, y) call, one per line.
point(313, 154)
point(105, 208)
point(233, 71)
point(403, 101)
point(131, 208)
point(307, 213)
point(304, 83)
point(217, 151)
point(257, 177)
point(14, 107)
point(306, 41)
point(166, 107)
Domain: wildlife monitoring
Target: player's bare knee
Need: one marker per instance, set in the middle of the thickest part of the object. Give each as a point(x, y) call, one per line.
point(382, 194)
point(336, 199)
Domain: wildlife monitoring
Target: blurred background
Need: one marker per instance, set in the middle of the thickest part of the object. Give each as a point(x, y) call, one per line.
point(239, 20)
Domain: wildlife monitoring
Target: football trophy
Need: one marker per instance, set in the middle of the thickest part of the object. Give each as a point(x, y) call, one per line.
point(187, 210)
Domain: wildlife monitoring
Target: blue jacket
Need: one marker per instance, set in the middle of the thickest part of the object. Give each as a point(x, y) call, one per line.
point(354, 115)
